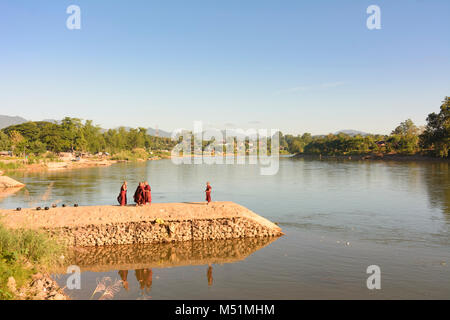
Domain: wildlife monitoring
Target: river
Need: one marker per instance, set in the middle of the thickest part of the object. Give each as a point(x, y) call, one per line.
point(339, 217)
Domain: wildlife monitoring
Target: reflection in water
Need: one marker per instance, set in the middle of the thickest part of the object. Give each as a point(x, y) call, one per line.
point(162, 255)
point(142, 258)
point(209, 275)
point(124, 275)
point(437, 180)
point(107, 288)
point(145, 278)
point(6, 192)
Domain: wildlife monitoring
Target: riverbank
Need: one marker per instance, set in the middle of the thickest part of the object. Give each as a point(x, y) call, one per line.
point(41, 287)
point(9, 186)
point(373, 157)
point(25, 255)
point(156, 223)
point(9, 183)
point(19, 165)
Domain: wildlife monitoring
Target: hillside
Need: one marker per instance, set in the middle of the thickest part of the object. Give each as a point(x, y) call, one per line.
point(6, 121)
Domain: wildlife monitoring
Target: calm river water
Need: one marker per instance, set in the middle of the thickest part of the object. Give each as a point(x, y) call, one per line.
point(339, 218)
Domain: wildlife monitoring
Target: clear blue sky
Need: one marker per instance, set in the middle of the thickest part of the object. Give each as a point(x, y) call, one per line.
point(300, 66)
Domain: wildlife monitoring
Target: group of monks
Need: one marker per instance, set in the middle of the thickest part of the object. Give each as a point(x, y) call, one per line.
point(143, 194)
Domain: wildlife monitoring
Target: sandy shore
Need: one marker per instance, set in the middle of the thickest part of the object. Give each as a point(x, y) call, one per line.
point(101, 215)
point(65, 165)
point(61, 165)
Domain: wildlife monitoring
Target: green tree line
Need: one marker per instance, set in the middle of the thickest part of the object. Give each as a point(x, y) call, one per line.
point(72, 135)
point(406, 138)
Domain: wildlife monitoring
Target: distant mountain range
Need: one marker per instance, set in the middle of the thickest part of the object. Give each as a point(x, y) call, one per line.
point(351, 132)
point(6, 121)
point(161, 133)
point(152, 132)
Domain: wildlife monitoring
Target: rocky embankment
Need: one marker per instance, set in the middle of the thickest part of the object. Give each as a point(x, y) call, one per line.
point(41, 287)
point(156, 223)
point(9, 186)
point(7, 182)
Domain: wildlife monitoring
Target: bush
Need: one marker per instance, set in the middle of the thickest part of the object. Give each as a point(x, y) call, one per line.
point(21, 251)
point(133, 155)
point(11, 165)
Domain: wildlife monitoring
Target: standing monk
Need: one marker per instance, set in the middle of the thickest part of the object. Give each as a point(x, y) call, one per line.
point(208, 192)
point(148, 193)
point(139, 194)
point(122, 198)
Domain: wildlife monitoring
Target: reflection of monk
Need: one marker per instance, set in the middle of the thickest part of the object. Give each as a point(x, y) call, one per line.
point(145, 278)
point(123, 275)
point(209, 275)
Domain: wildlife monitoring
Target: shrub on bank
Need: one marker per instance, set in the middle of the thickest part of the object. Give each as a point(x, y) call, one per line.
point(133, 155)
point(22, 252)
point(11, 165)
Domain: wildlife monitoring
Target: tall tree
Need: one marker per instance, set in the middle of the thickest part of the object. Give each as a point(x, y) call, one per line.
point(437, 131)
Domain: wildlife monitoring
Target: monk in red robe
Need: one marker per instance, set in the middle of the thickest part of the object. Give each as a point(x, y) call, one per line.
point(122, 198)
point(139, 195)
point(208, 192)
point(148, 193)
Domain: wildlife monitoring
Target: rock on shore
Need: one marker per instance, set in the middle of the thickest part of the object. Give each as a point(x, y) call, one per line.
point(41, 287)
point(7, 182)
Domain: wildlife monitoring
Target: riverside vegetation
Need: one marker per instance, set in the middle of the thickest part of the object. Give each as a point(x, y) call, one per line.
point(44, 139)
point(406, 139)
point(24, 255)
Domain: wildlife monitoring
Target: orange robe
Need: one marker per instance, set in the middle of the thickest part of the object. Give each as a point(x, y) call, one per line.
point(148, 194)
point(208, 193)
point(139, 196)
point(122, 198)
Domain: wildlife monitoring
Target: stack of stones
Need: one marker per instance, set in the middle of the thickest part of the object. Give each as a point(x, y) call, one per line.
point(159, 231)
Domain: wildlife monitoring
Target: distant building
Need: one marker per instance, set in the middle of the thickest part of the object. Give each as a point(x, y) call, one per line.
point(66, 156)
point(6, 153)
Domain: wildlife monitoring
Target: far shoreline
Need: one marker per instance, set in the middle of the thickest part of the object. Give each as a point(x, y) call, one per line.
point(96, 163)
point(70, 165)
point(374, 157)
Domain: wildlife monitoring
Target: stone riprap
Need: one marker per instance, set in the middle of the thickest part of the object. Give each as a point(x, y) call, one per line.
point(155, 223)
